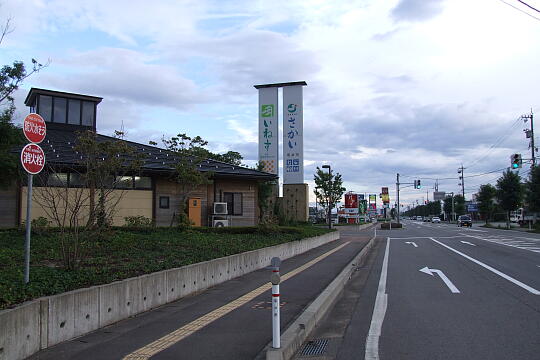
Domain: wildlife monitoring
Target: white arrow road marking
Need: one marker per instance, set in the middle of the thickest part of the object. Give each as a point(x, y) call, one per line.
point(379, 311)
point(412, 243)
point(501, 274)
point(468, 243)
point(443, 277)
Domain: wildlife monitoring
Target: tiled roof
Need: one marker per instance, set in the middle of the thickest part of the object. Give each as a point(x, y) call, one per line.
point(59, 150)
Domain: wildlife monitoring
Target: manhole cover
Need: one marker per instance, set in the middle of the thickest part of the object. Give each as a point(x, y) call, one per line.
point(315, 347)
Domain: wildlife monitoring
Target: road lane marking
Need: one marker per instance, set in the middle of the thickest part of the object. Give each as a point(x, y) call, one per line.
point(411, 243)
point(501, 274)
point(518, 244)
point(175, 336)
point(424, 237)
point(468, 243)
point(443, 277)
point(379, 311)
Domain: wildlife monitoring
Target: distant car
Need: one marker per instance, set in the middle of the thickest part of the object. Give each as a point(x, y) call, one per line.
point(435, 219)
point(427, 219)
point(464, 220)
point(419, 218)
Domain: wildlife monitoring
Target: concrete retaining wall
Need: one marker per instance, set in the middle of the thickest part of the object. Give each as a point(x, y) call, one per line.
point(47, 321)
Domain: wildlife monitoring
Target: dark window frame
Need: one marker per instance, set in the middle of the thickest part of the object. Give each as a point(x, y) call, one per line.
point(231, 204)
point(162, 205)
point(142, 187)
point(80, 111)
point(54, 99)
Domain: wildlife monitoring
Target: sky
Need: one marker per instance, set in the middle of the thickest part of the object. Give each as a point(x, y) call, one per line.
point(416, 87)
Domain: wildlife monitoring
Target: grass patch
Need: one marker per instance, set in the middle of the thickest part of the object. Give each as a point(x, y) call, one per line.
point(124, 253)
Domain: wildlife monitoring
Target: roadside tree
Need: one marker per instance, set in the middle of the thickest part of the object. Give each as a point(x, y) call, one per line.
point(11, 77)
point(81, 200)
point(266, 189)
point(485, 197)
point(189, 154)
point(328, 189)
point(533, 190)
point(459, 205)
point(509, 193)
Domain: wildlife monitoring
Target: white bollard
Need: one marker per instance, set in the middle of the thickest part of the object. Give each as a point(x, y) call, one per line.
point(276, 336)
point(275, 280)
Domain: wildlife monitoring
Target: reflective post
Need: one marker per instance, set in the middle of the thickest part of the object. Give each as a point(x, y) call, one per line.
point(275, 280)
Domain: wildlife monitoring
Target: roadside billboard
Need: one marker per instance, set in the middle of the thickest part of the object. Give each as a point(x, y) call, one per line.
point(351, 201)
point(438, 195)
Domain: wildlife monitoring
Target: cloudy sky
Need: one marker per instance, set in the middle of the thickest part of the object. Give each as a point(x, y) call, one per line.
point(417, 87)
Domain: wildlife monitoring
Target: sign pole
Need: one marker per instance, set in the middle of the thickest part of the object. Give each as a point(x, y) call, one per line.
point(33, 161)
point(28, 230)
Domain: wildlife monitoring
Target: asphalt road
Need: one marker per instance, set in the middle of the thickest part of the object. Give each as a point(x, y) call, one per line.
point(436, 291)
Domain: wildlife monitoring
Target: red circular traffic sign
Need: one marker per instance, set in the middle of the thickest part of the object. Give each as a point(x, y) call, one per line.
point(32, 158)
point(34, 128)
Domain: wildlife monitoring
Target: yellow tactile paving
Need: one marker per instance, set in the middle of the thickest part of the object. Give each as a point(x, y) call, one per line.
point(175, 336)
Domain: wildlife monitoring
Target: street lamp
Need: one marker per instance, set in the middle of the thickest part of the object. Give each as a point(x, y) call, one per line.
point(329, 194)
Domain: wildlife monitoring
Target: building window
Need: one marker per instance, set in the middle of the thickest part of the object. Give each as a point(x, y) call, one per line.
point(234, 203)
point(124, 182)
point(45, 107)
point(57, 179)
point(87, 113)
point(74, 112)
point(143, 182)
point(77, 180)
point(59, 110)
point(163, 202)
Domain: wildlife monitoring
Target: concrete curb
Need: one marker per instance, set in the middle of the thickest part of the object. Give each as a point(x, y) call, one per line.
point(44, 322)
point(299, 330)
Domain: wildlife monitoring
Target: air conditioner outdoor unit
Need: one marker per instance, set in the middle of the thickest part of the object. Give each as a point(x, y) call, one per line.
point(220, 208)
point(221, 223)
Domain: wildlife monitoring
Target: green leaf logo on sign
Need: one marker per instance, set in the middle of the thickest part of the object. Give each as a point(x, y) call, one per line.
point(267, 110)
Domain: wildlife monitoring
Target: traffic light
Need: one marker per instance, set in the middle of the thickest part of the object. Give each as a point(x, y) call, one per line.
point(516, 161)
point(417, 184)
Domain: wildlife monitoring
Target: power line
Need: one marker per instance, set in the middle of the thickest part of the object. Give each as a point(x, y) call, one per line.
point(518, 9)
point(497, 142)
point(529, 6)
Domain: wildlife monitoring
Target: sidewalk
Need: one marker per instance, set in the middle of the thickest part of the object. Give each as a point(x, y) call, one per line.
point(229, 321)
point(502, 225)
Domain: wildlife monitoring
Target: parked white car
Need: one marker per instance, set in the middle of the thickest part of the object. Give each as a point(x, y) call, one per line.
point(435, 219)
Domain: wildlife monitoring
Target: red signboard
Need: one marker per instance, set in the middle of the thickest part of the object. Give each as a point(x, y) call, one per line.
point(351, 201)
point(34, 128)
point(32, 158)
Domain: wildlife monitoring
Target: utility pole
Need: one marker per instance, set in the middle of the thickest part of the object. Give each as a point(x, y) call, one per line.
point(462, 178)
point(530, 134)
point(397, 190)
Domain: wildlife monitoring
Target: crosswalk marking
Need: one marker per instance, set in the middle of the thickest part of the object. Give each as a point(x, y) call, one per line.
point(530, 244)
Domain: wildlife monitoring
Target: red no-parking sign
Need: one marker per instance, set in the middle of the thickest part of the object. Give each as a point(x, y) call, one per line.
point(32, 158)
point(33, 161)
point(34, 128)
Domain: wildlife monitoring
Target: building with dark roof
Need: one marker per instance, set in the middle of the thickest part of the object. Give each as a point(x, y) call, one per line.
point(151, 192)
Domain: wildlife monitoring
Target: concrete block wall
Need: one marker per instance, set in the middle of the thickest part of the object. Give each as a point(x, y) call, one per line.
point(47, 321)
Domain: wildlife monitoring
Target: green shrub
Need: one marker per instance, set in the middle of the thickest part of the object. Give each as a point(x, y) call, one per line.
point(138, 222)
point(40, 225)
